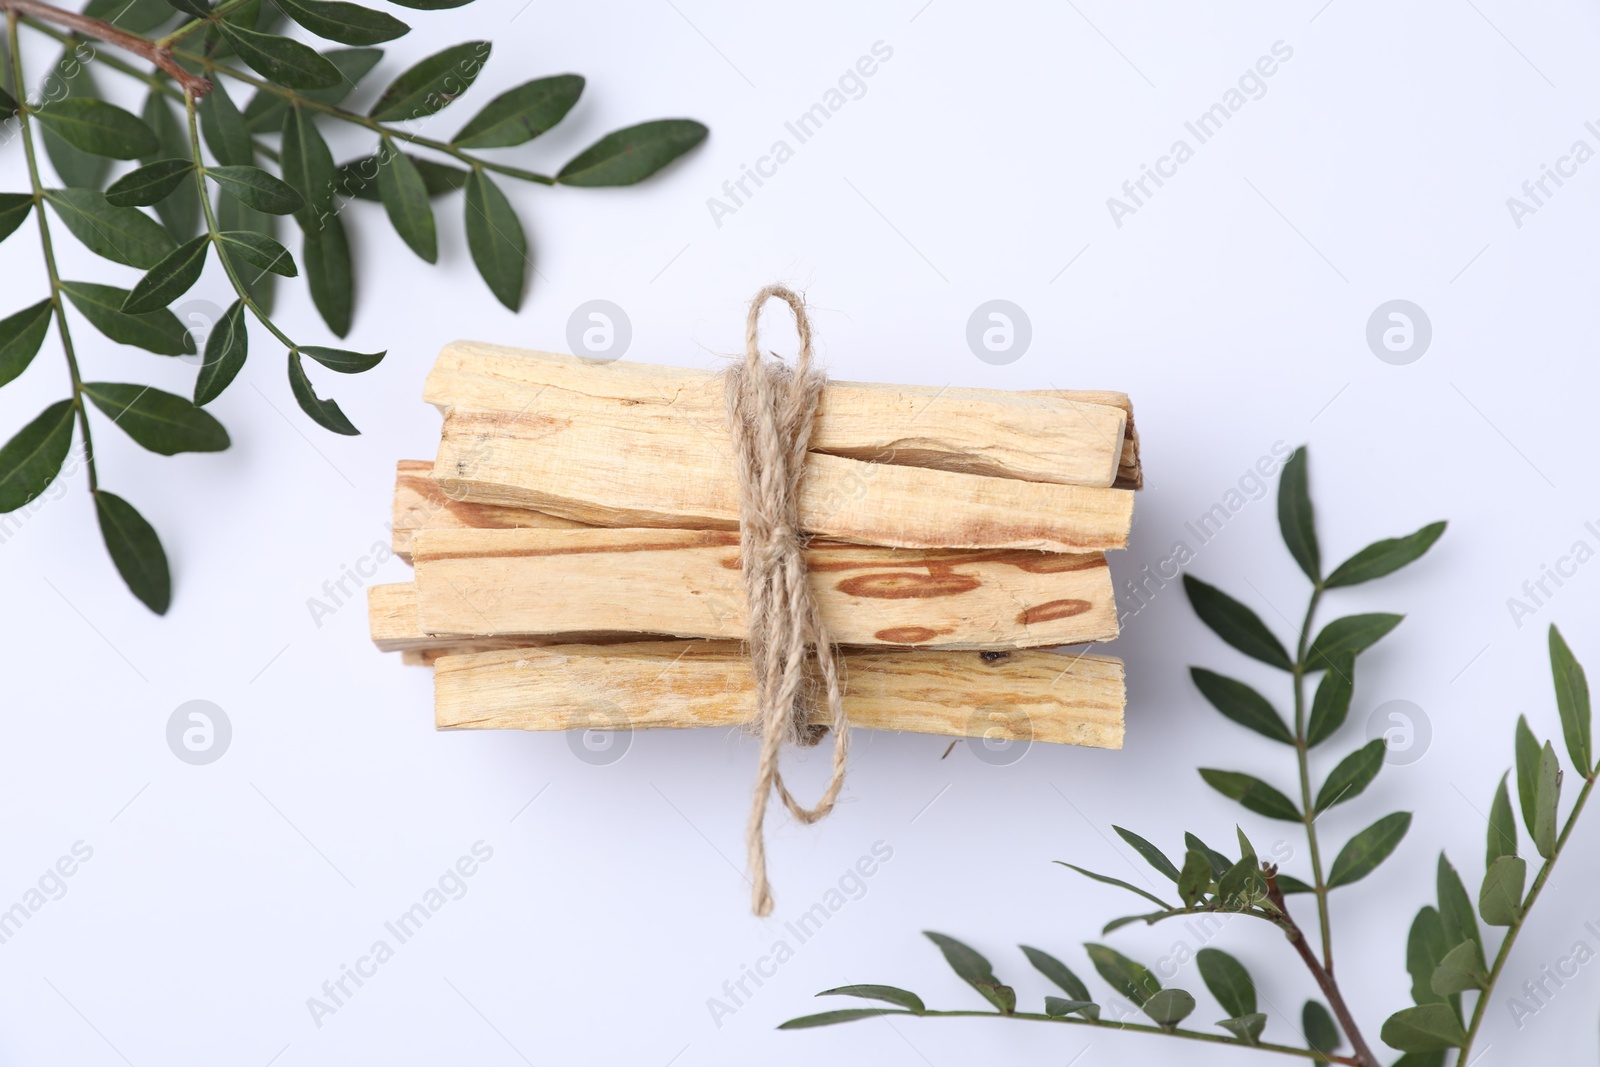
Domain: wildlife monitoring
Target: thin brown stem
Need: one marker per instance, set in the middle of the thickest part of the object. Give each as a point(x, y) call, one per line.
point(1325, 981)
point(193, 84)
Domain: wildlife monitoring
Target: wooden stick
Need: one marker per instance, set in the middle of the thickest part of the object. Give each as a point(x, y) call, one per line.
point(1013, 696)
point(687, 583)
point(419, 504)
point(648, 447)
point(1073, 438)
point(593, 473)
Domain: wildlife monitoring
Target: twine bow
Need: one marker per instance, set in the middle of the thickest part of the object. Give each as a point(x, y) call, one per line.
point(770, 410)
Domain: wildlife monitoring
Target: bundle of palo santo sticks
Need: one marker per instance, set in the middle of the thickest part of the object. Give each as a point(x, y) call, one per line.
point(576, 551)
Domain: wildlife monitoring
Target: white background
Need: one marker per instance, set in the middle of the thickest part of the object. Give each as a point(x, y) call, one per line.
point(976, 166)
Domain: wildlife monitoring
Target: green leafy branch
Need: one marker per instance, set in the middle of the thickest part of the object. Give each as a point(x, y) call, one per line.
point(1444, 957)
point(218, 176)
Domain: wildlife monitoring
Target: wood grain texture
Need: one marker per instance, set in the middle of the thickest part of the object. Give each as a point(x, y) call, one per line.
point(1069, 437)
point(1014, 696)
point(419, 504)
point(606, 476)
point(635, 445)
point(688, 583)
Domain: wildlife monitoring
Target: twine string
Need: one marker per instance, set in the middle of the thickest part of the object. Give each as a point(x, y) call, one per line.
point(770, 409)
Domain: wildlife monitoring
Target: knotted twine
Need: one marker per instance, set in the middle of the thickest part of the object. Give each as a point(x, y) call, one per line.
point(770, 407)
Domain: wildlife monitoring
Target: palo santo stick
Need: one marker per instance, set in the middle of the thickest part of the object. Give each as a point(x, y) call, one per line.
point(419, 504)
point(1130, 475)
point(1016, 695)
point(667, 475)
point(687, 583)
point(392, 622)
point(1047, 436)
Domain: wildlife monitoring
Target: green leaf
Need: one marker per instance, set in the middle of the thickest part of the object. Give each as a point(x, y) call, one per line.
point(1242, 704)
point(1425, 947)
point(225, 131)
point(828, 1018)
point(1500, 899)
point(891, 994)
point(169, 279)
point(1195, 878)
point(1130, 979)
point(255, 188)
point(494, 236)
point(1235, 623)
point(1421, 1059)
point(1063, 976)
point(358, 178)
point(235, 217)
point(521, 114)
point(1289, 885)
point(136, 551)
point(632, 154)
point(264, 113)
point(21, 334)
point(1228, 981)
point(1119, 883)
point(973, 969)
point(340, 360)
point(156, 331)
point(1424, 1028)
point(179, 211)
point(120, 234)
point(1241, 885)
point(1057, 1007)
point(308, 168)
point(1547, 795)
point(1502, 826)
point(325, 413)
point(1252, 792)
point(1296, 520)
point(162, 422)
point(1346, 637)
point(71, 77)
point(258, 250)
point(432, 84)
point(227, 345)
point(342, 22)
point(1322, 1035)
point(1363, 852)
point(198, 8)
point(100, 128)
point(14, 208)
point(1456, 918)
point(135, 16)
point(1572, 701)
point(1219, 862)
point(30, 461)
point(1384, 557)
point(432, 5)
point(1353, 774)
point(1456, 973)
point(405, 198)
point(1246, 1028)
point(1527, 749)
point(1152, 855)
point(1169, 1007)
point(149, 184)
point(326, 254)
point(289, 63)
point(1331, 705)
